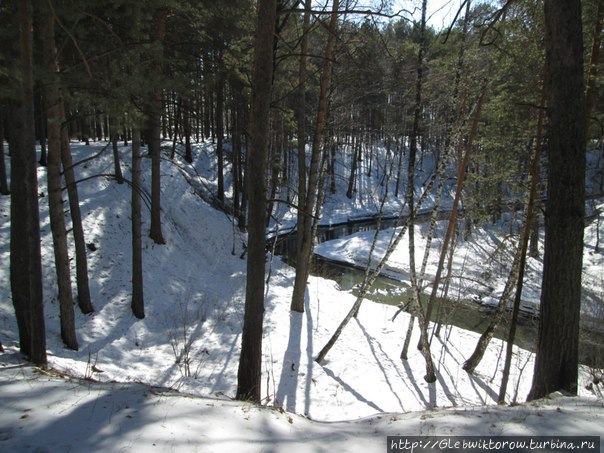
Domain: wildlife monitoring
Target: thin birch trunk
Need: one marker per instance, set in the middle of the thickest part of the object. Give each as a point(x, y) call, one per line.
point(371, 275)
point(453, 218)
point(416, 297)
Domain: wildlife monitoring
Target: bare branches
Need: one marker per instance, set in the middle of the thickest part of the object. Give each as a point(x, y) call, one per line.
point(73, 39)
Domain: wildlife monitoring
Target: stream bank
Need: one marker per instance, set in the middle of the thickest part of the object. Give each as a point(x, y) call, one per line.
point(467, 313)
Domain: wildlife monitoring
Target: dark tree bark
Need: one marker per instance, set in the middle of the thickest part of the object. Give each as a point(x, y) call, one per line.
point(301, 110)
point(138, 301)
point(357, 147)
point(25, 256)
point(154, 137)
point(52, 102)
point(83, 286)
point(250, 363)
point(556, 361)
point(4, 190)
point(533, 251)
point(116, 153)
point(236, 167)
point(594, 60)
point(307, 208)
point(186, 123)
point(40, 126)
point(177, 115)
point(220, 137)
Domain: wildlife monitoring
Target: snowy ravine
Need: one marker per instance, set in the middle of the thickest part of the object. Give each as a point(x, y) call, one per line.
point(145, 397)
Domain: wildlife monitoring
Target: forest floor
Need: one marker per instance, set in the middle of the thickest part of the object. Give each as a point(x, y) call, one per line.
point(167, 381)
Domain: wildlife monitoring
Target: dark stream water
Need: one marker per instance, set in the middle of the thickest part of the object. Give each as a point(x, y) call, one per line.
point(465, 314)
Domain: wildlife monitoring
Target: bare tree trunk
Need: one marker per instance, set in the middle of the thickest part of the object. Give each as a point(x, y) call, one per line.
point(25, 256)
point(371, 275)
point(4, 190)
point(237, 161)
point(40, 125)
point(356, 153)
point(154, 138)
point(526, 233)
point(415, 299)
point(116, 153)
point(250, 363)
point(301, 119)
point(186, 127)
point(420, 279)
point(305, 237)
point(474, 360)
point(83, 286)
point(53, 100)
point(453, 217)
point(220, 137)
point(594, 61)
point(138, 301)
point(557, 358)
point(177, 116)
point(534, 243)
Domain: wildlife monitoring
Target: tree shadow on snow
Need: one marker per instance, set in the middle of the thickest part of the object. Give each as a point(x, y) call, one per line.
point(287, 388)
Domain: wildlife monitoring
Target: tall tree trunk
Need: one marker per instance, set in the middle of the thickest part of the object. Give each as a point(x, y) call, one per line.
point(83, 286)
point(236, 167)
point(177, 116)
point(410, 196)
point(186, 127)
point(116, 153)
point(305, 222)
point(53, 100)
point(138, 301)
point(4, 190)
point(250, 362)
point(25, 255)
point(356, 157)
point(461, 174)
point(40, 125)
point(594, 60)
point(556, 361)
point(220, 137)
point(154, 137)
point(534, 242)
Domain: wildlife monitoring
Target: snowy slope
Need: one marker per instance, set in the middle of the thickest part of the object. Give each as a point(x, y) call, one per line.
point(194, 294)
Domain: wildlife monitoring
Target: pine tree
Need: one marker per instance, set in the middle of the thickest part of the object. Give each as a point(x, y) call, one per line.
point(557, 358)
point(53, 103)
point(250, 362)
point(25, 255)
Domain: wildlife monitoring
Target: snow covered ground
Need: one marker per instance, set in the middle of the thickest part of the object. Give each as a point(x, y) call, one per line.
point(42, 413)
point(167, 381)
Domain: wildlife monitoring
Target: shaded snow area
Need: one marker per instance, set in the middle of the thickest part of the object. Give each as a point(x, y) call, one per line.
point(167, 382)
point(42, 413)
